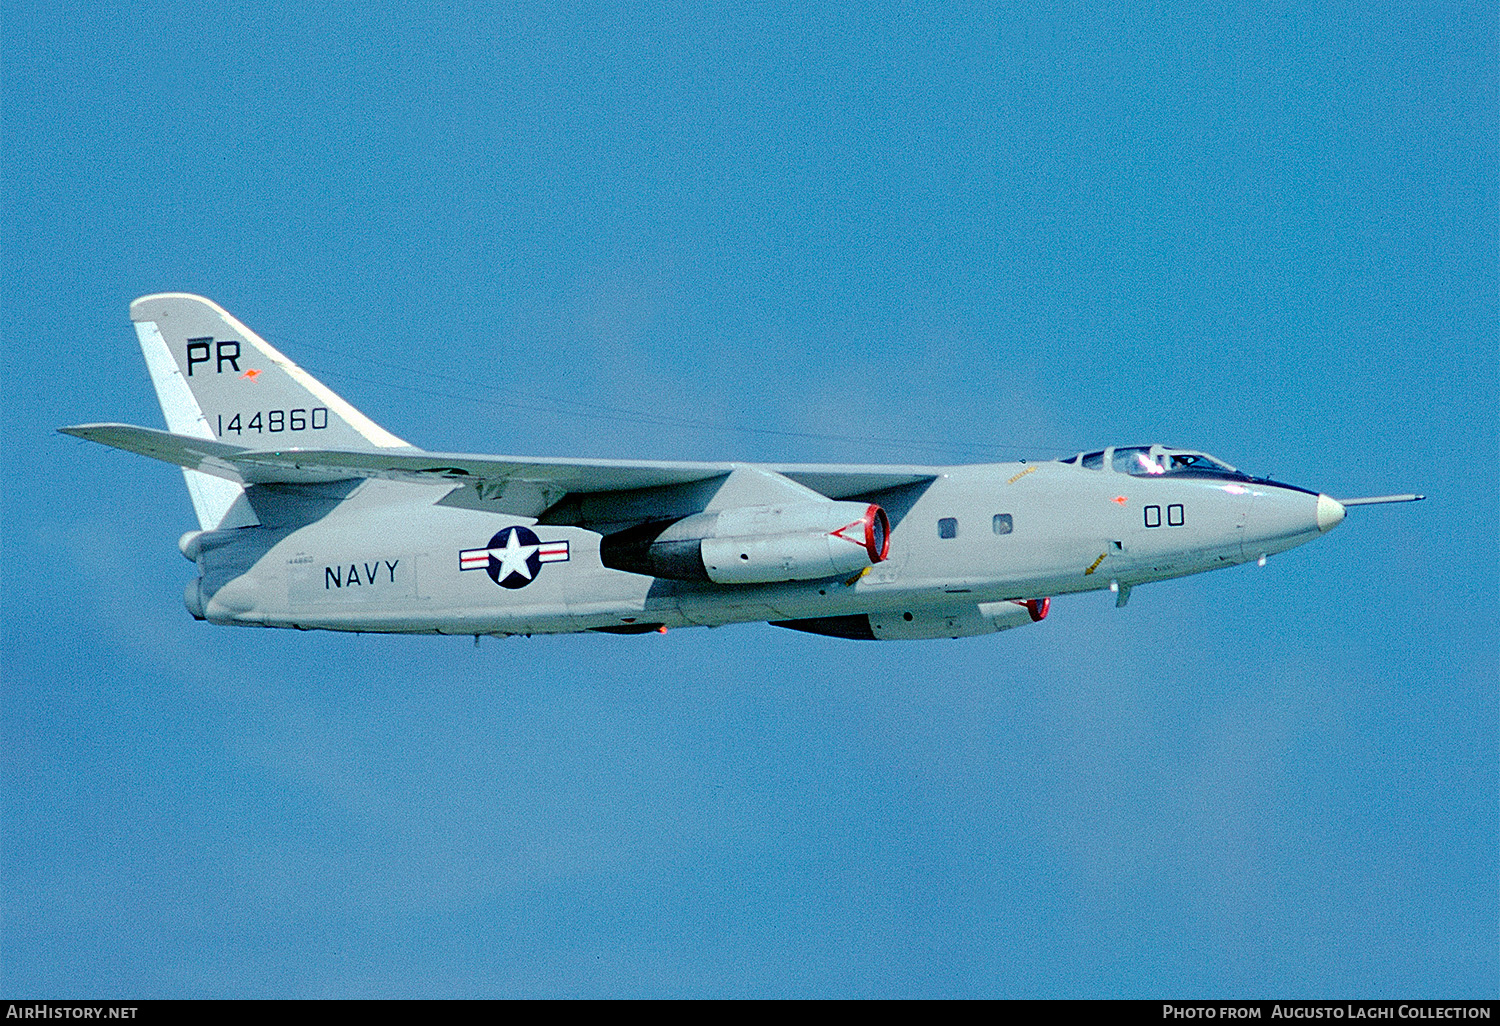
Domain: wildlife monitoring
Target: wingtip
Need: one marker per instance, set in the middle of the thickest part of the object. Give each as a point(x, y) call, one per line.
point(84, 430)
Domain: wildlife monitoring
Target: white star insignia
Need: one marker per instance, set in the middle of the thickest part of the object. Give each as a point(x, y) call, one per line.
point(514, 556)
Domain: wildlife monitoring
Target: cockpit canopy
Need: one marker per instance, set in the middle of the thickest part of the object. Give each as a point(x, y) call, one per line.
point(1156, 461)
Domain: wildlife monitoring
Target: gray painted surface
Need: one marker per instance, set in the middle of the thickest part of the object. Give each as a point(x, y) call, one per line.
point(375, 536)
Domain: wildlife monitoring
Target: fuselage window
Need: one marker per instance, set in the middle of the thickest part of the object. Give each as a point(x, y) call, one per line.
point(1153, 516)
point(1174, 516)
point(948, 527)
point(1002, 523)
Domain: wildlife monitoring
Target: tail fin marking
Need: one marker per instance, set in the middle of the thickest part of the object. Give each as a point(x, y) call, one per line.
point(243, 389)
point(214, 499)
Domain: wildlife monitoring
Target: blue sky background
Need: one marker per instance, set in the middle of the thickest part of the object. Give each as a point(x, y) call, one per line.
point(766, 232)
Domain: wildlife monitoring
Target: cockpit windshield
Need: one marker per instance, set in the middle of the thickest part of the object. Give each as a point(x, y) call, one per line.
point(1137, 460)
point(1157, 461)
point(1197, 463)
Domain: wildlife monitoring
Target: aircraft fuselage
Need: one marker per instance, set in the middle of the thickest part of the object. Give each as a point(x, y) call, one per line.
point(388, 557)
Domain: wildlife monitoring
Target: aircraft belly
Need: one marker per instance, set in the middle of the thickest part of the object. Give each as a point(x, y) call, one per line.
point(473, 572)
point(707, 611)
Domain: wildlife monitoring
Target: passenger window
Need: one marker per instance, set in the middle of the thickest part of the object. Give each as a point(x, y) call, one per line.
point(1002, 523)
point(948, 527)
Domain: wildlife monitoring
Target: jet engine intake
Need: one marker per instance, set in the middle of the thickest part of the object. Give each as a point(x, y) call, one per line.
point(755, 544)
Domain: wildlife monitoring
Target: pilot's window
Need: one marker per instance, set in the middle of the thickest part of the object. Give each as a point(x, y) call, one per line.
point(948, 527)
point(1178, 462)
point(1094, 460)
point(1002, 523)
point(1174, 516)
point(1153, 516)
point(1135, 460)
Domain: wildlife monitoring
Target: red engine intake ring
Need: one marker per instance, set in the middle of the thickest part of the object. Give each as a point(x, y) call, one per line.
point(873, 531)
point(877, 534)
point(1038, 609)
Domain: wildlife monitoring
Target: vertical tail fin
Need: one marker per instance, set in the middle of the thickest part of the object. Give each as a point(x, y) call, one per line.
point(215, 378)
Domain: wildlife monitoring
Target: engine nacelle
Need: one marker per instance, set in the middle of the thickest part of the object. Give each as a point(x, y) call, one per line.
point(921, 625)
point(960, 621)
point(756, 544)
point(1015, 613)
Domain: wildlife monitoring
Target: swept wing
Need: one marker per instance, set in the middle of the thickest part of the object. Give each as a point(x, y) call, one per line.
point(493, 478)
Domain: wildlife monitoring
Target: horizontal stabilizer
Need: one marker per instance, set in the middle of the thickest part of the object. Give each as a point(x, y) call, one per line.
point(203, 454)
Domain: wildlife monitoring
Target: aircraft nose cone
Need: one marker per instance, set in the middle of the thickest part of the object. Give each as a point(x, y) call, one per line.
point(1330, 513)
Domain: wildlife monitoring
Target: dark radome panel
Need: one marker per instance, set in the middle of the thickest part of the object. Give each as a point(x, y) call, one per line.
point(856, 627)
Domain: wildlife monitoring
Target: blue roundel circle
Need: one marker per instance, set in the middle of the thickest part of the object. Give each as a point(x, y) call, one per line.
point(514, 559)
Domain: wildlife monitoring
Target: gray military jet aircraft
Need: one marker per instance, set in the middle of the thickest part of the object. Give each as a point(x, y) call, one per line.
point(313, 516)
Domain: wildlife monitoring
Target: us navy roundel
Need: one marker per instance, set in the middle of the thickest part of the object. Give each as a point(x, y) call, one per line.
point(513, 557)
